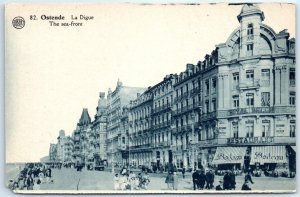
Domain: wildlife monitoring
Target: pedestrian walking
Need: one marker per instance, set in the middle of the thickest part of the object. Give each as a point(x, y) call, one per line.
point(183, 173)
point(248, 177)
point(226, 181)
point(201, 180)
point(195, 177)
point(176, 181)
point(210, 178)
point(169, 180)
point(29, 182)
point(232, 180)
point(117, 182)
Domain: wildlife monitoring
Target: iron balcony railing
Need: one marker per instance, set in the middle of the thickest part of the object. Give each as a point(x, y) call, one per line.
point(251, 110)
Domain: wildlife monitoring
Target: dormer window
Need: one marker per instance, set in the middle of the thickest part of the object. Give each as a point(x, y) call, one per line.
point(250, 29)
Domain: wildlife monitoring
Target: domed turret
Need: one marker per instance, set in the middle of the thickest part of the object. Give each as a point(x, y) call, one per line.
point(250, 9)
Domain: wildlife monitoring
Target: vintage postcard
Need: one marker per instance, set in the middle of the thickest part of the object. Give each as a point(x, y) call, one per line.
point(150, 98)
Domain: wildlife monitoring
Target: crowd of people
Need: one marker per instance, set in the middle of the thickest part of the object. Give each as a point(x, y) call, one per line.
point(202, 180)
point(128, 180)
point(31, 177)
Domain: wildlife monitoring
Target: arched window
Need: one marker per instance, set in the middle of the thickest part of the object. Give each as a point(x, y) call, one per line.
point(250, 29)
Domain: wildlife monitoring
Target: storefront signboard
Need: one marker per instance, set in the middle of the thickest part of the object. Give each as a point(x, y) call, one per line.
point(250, 140)
point(226, 155)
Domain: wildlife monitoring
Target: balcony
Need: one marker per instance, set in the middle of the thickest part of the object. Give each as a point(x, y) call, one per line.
point(285, 110)
point(186, 109)
point(182, 96)
point(162, 108)
point(141, 147)
point(249, 85)
point(183, 129)
point(256, 110)
point(250, 110)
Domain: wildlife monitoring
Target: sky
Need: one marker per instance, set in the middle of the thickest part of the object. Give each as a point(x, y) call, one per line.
point(52, 73)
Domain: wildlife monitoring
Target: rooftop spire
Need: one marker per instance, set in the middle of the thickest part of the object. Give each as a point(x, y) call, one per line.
point(85, 117)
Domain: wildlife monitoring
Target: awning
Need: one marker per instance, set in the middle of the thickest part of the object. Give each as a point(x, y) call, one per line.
point(268, 154)
point(225, 155)
point(294, 148)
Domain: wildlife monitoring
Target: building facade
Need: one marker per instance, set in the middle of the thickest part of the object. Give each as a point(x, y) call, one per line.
point(234, 109)
point(116, 100)
point(140, 132)
point(249, 96)
point(99, 129)
point(162, 121)
point(82, 153)
point(186, 114)
point(53, 153)
point(64, 148)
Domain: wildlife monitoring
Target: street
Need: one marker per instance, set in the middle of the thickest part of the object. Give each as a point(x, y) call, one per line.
point(70, 179)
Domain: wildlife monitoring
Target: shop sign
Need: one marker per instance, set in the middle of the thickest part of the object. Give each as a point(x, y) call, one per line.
point(225, 155)
point(228, 157)
point(250, 140)
point(268, 156)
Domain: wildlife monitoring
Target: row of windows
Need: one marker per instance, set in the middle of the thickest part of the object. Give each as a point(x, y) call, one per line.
point(162, 118)
point(194, 101)
point(142, 113)
point(162, 89)
point(265, 76)
point(187, 87)
point(163, 102)
point(265, 129)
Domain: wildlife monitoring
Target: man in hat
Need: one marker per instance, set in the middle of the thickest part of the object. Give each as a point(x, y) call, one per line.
point(227, 181)
point(201, 179)
point(195, 177)
point(210, 178)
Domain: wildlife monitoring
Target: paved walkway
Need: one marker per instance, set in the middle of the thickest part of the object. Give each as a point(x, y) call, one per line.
point(70, 179)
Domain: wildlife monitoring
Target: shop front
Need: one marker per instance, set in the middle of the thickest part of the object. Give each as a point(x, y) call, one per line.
point(229, 158)
point(272, 160)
